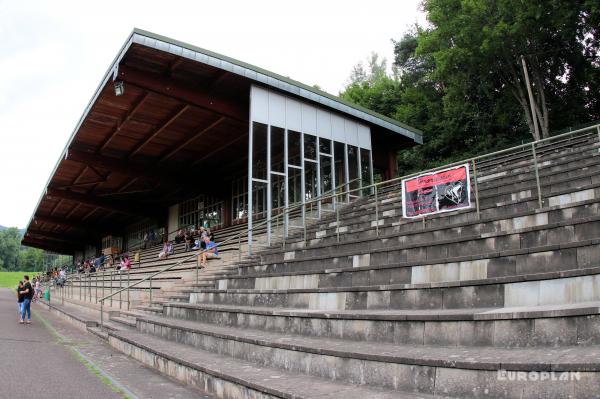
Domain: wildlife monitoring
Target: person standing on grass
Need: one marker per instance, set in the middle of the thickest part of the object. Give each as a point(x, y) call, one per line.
point(20, 298)
point(27, 291)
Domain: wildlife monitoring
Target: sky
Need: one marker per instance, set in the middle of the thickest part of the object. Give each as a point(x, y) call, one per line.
point(53, 55)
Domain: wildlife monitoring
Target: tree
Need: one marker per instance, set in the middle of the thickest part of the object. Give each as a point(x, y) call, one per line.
point(461, 82)
point(31, 259)
point(482, 41)
point(10, 242)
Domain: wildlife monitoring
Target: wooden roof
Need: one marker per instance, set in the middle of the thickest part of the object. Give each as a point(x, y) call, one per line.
point(181, 124)
point(178, 124)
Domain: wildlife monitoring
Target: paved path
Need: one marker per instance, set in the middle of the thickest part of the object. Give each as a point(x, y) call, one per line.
point(59, 371)
point(34, 363)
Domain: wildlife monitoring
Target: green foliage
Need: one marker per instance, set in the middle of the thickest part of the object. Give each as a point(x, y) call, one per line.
point(461, 82)
point(13, 257)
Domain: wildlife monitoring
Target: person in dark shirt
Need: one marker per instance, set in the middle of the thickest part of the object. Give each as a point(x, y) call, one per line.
point(27, 291)
point(20, 298)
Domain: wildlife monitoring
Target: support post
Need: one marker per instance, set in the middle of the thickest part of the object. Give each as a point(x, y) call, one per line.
point(337, 223)
point(476, 187)
point(120, 287)
point(197, 267)
point(376, 213)
point(128, 284)
point(537, 176)
point(101, 314)
point(304, 220)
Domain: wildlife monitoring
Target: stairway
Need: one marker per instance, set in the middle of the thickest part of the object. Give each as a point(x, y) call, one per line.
point(500, 304)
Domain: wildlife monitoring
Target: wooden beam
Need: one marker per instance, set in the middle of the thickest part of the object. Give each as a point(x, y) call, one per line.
point(104, 203)
point(161, 128)
point(191, 139)
point(47, 245)
point(137, 105)
point(201, 98)
point(62, 237)
point(85, 226)
point(127, 168)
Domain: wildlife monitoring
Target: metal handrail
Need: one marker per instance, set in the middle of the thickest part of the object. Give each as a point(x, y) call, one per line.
point(375, 189)
point(180, 262)
point(468, 160)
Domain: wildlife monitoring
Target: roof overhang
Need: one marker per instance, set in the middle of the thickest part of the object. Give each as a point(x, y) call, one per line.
point(187, 84)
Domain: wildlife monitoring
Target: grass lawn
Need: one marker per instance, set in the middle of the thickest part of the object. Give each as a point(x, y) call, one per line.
point(11, 279)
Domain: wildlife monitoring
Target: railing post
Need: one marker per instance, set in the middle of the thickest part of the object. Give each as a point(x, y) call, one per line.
point(84, 288)
point(598, 130)
point(128, 283)
point(150, 290)
point(80, 287)
point(103, 283)
point(376, 214)
point(537, 176)
point(111, 289)
point(96, 285)
point(476, 187)
point(120, 287)
point(101, 314)
point(240, 247)
point(197, 266)
point(304, 220)
point(337, 223)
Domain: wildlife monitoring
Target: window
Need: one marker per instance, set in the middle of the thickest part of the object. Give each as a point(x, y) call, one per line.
point(310, 147)
point(340, 166)
point(353, 176)
point(277, 149)
point(294, 155)
point(203, 210)
point(324, 146)
point(365, 167)
point(239, 198)
point(259, 150)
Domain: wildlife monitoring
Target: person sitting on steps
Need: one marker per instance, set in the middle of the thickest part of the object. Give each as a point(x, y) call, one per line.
point(167, 250)
point(210, 252)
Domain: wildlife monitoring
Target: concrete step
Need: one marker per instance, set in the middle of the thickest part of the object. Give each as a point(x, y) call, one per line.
point(461, 260)
point(426, 368)
point(534, 326)
point(232, 378)
point(533, 228)
point(544, 288)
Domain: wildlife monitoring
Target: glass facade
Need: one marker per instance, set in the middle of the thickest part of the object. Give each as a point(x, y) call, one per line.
point(203, 210)
point(290, 167)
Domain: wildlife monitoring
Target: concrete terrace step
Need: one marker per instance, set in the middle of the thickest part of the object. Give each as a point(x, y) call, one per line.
point(537, 326)
point(575, 358)
point(438, 261)
point(234, 378)
point(544, 219)
point(549, 288)
point(390, 215)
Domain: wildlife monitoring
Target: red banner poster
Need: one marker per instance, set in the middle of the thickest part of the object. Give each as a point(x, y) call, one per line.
point(440, 191)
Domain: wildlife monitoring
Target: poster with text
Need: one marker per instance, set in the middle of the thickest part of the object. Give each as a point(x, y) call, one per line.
point(440, 191)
